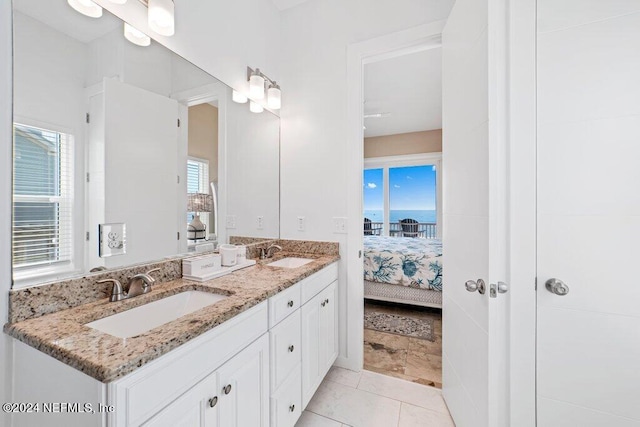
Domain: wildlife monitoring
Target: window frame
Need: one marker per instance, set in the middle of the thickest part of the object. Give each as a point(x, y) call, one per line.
point(204, 218)
point(387, 162)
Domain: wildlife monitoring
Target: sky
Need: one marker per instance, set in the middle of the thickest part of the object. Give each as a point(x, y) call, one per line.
point(411, 188)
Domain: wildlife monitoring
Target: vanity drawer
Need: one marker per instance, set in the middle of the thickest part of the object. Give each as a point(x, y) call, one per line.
point(313, 284)
point(285, 346)
point(286, 404)
point(283, 304)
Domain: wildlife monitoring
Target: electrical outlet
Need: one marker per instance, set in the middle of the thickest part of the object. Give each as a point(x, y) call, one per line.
point(339, 225)
point(301, 223)
point(260, 222)
point(231, 221)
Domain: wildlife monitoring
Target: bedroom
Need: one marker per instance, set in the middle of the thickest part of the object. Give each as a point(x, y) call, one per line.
point(402, 216)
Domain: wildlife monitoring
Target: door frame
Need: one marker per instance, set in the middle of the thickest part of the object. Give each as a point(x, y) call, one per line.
point(359, 54)
point(518, 58)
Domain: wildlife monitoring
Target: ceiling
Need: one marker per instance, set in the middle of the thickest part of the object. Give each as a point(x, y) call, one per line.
point(409, 87)
point(68, 21)
point(287, 4)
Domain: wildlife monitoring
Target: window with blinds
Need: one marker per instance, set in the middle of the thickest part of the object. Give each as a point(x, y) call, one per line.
point(42, 229)
point(198, 182)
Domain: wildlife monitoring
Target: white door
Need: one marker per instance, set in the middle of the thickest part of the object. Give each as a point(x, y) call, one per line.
point(474, 379)
point(140, 170)
point(588, 343)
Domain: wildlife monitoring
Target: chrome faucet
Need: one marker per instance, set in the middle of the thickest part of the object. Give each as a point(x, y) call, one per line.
point(266, 252)
point(137, 285)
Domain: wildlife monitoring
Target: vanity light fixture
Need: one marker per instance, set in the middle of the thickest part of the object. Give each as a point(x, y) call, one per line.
point(118, 1)
point(255, 107)
point(238, 97)
point(258, 88)
point(256, 85)
point(136, 36)
point(86, 7)
point(161, 17)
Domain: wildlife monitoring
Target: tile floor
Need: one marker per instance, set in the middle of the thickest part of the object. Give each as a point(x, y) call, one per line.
point(368, 399)
point(410, 359)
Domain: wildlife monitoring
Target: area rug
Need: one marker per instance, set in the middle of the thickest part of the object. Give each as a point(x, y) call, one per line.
point(400, 325)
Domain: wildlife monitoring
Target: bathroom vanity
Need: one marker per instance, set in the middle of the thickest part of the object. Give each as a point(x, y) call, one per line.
point(254, 358)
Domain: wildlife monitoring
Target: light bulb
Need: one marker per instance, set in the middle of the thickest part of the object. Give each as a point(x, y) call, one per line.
point(136, 36)
point(254, 107)
point(86, 7)
point(118, 1)
point(161, 17)
point(256, 85)
point(239, 97)
point(274, 100)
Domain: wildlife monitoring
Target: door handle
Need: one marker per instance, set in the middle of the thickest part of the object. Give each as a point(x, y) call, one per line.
point(476, 285)
point(557, 286)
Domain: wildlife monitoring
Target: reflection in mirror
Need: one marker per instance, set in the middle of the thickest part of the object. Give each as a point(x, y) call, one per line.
point(108, 132)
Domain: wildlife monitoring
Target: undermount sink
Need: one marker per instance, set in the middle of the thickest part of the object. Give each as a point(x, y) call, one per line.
point(142, 319)
point(290, 262)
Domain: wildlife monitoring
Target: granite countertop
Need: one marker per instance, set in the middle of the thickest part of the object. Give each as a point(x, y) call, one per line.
point(106, 358)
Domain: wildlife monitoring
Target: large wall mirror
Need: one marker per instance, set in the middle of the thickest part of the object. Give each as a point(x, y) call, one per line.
point(123, 154)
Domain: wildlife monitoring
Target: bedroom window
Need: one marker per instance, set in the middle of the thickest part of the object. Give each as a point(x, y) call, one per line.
point(42, 227)
point(403, 188)
point(198, 182)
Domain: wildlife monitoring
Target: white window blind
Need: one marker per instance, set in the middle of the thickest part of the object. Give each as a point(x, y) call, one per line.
point(198, 182)
point(42, 229)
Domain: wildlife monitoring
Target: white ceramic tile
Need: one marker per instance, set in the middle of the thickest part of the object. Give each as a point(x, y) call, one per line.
point(590, 71)
point(309, 419)
point(344, 376)
point(354, 407)
point(588, 167)
point(415, 416)
point(596, 256)
point(555, 15)
point(404, 391)
point(590, 359)
point(553, 413)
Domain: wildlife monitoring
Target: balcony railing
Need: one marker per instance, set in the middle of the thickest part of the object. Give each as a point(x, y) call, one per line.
point(426, 230)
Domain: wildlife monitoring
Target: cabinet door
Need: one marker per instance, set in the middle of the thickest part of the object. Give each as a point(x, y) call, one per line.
point(244, 387)
point(310, 313)
point(198, 407)
point(328, 328)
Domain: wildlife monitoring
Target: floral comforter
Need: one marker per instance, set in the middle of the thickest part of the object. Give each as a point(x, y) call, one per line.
point(404, 261)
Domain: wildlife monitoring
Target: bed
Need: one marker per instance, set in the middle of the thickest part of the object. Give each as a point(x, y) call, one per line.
point(404, 270)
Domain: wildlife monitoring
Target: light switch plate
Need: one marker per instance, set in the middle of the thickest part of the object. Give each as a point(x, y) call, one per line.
point(231, 221)
point(260, 222)
point(340, 225)
point(113, 239)
point(301, 223)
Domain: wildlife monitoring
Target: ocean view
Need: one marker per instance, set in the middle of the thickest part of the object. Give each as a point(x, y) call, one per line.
point(397, 215)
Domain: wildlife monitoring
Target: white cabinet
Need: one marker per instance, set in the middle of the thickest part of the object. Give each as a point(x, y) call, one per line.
point(236, 395)
point(319, 339)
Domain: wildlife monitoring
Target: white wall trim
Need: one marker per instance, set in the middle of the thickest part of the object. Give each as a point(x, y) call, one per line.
point(414, 39)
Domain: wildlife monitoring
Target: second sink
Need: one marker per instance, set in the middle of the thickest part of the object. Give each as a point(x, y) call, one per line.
point(290, 262)
point(142, 319)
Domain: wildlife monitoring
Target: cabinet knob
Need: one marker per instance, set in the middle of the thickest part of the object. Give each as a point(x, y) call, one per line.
point(292, 408)
point(327, 300)
point(290, 303)
point(323, 303)
point(291, 348)
point(213, 401)
point(227, 389)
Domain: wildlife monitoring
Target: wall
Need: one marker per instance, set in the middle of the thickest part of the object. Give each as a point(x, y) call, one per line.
point(403, 143)
point(6, 157)
point(314, 159)
point(203, 139)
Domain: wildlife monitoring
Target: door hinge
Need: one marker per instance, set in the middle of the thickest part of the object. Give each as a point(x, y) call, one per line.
point(178, 179)
point(87, 236)
point(359, 254)
point(88, 178)
point(88, 118)
point(178, 234)
point(178, 122)
point(535, 284)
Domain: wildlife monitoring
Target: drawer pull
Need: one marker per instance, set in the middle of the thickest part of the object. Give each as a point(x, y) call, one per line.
point(227, 389)
point(213, 401)
point(290, 303)
point(323, 303)
point(292, 408)
point(327, 300)
point(291, 348)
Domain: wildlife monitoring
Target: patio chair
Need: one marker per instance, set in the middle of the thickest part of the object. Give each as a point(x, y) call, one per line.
point(410, 227)
point(368, 229)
